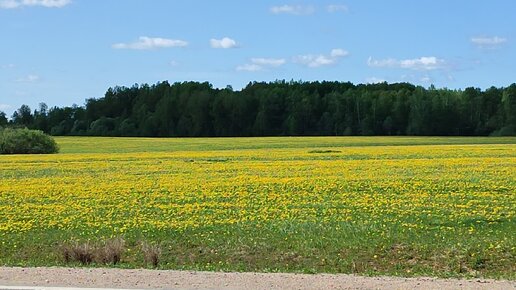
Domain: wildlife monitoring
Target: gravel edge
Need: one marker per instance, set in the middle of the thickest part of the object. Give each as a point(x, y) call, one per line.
point(164, 279)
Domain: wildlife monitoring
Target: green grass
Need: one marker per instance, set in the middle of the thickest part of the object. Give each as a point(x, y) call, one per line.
point(403, 206)
point(131, 145)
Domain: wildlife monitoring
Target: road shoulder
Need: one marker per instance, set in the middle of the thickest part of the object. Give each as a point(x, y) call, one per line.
point(159, 279)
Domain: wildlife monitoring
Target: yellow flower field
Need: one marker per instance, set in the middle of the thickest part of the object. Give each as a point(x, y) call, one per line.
point(385, 194)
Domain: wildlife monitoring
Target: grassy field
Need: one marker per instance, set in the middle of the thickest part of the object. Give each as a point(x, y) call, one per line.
point(370, 205)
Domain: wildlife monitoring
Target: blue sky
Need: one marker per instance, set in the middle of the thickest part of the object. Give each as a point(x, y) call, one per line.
point(64, 51)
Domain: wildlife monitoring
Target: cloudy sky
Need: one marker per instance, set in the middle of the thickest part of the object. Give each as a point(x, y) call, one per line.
point(64, 51)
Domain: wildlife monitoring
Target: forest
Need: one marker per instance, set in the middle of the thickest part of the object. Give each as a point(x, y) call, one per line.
point(279, 108)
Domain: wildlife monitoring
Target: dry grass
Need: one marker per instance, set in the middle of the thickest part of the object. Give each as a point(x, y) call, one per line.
point(151, 253)
point(107, 252)
point(111, 251)
point(83, 253)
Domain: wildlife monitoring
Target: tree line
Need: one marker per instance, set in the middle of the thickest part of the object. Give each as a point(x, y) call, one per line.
point(280, 108)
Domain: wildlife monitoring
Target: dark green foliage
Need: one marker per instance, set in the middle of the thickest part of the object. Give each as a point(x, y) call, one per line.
point(25, 141)
point(324, 151)
point(23, 116)
point(281, 108)
point(3, 119)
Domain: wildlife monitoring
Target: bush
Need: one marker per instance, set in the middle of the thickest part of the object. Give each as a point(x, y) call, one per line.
point(151, 254)
point(25, 141)
point(82, 253)
point(111, 251)
point(85, 253)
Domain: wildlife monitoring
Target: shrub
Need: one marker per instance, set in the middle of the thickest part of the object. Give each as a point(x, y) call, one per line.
point(106, 252)
point(80, 252)
point(25, 141)
point(151, 253)
point(111, 251)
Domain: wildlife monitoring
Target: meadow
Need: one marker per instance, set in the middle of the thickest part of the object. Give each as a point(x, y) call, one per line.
point(405, 206)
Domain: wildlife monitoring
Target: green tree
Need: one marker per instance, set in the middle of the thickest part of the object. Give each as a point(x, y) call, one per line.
point(41, 118)
point(3, 119)
point(509, 108)
point(280, 108)
point(23, 116)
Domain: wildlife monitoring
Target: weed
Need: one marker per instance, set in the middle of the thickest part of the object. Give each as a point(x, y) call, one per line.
point(107, 252)
point(151, 253)
point(78, 252)
point(111, 251)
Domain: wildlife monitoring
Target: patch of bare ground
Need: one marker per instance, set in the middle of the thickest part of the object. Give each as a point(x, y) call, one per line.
point(160, 279)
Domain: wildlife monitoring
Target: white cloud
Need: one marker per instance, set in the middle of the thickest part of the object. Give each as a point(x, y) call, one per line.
point(488, 42)
point(29, 79)
point(11, 4)
point(390, 62)
point(318, 60)
point(425, 63)
point(225, 42)
point(314, 60)
point(426, 79)
point(273, 62)
point(338, 52)
point(422, 63)
point(146, 43)
point(337, 8)
point(374, 80)
point(293, 9)
point(5, 107)
point(259, 64)
point(249, 67)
